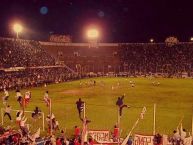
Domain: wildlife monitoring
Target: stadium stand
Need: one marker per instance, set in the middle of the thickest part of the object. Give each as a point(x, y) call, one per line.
point(25, 63)
point(23, 53)
point(130, 58)
point(30, 63)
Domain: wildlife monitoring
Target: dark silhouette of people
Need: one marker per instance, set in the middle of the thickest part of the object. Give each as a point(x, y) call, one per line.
point(80, 107)
point(121, 105)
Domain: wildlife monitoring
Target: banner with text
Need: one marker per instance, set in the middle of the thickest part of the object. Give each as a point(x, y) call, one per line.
point(143, 140)
point(100, 136)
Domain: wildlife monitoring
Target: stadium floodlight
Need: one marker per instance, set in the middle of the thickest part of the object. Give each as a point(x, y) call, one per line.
point(151, 40)
point(191, 39)
point(17, 29)
point(93, 34)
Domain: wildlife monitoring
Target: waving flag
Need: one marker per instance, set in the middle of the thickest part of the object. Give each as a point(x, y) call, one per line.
point(27, 98)
point(47, 99)
point(143, 112)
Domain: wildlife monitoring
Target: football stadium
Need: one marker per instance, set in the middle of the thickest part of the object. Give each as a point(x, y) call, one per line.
point(57, 91)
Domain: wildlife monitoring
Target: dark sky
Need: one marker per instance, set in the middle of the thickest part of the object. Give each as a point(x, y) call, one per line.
point(118, 20)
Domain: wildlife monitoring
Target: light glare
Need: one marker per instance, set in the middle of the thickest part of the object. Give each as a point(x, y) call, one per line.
point(17, 28)
point(92, 34)
point(151, 40)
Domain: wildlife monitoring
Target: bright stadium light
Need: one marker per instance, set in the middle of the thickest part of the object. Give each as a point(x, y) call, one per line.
point(93, 34)
point(151, 40)
point(191, 39)
point(17, 29)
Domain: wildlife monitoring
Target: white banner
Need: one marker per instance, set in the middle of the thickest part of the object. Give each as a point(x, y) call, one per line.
point(100, 136)
point(143, 140)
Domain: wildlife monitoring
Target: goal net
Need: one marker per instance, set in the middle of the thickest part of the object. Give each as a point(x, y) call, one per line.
point(33, 123)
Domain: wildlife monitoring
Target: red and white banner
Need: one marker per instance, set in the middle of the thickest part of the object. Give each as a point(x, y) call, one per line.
point(143, 140)
point(100, 136)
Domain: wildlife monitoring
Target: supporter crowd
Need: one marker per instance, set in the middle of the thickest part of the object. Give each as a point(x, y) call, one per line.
point(131, 58)
point(23, 53)
point(35, 77)
point(123, 60)
point(24, 63)
point(158, 58)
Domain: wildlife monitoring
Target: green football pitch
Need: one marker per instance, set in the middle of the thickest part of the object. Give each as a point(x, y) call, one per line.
point(173, 97)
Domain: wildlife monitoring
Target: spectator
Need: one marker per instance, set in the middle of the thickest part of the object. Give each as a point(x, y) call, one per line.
point(176, 137)
point(130, 141)
point(157, 139)
point(7, 112)
point(116, 134)
point(76, 132)
point(36, 113)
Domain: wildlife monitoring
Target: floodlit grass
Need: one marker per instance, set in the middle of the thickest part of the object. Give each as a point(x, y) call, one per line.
point(174, 99)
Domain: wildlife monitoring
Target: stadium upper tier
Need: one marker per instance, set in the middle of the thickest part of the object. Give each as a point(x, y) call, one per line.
point(124, 57)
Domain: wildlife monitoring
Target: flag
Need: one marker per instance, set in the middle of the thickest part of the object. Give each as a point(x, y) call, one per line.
point(35, 135)
point(84, 132)
point(143, 112)
point(188, 141)
point(47, 99)
point(27, 98)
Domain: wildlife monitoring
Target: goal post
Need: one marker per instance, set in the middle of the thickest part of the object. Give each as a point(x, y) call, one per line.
point(26, 111)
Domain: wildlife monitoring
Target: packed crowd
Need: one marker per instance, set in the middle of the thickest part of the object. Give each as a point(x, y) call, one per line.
point(24, 63)
point(15, 138)
point(23, 53)
point(124, 59)
point(131, 58)
point(158, 58)
point(35, 77)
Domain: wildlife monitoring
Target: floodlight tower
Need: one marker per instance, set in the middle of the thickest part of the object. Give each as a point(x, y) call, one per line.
point(17, 29)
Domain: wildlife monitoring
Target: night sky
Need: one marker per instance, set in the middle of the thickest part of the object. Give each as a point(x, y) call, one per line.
point(118, 20)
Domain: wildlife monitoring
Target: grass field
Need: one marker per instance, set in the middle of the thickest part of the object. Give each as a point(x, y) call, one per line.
point(174, 99)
